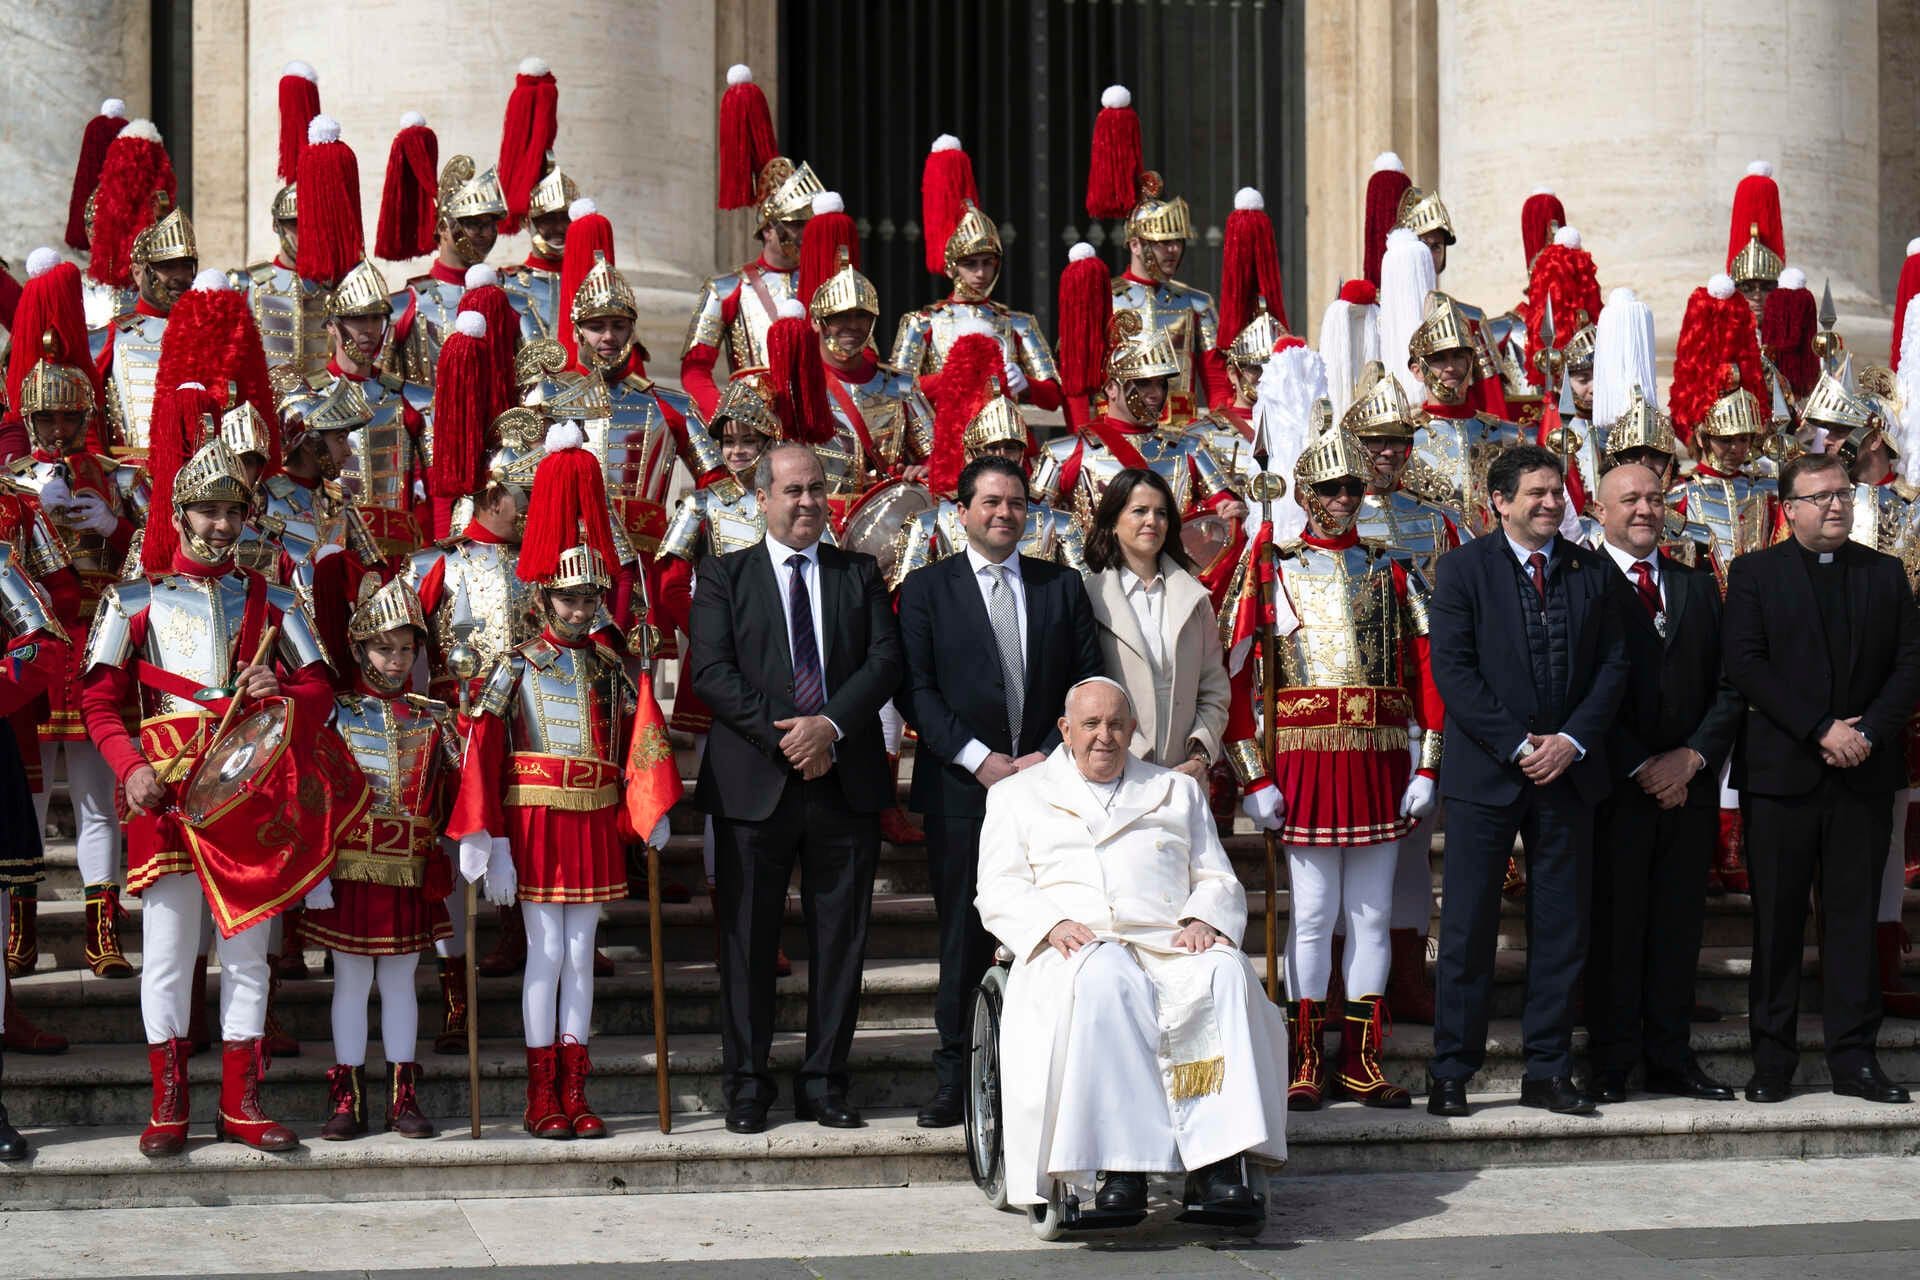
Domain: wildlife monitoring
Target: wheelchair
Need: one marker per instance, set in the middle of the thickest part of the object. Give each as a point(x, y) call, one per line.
point(1070, 1207)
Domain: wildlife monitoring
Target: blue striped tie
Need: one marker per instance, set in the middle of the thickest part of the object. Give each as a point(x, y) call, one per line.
point(809, 687)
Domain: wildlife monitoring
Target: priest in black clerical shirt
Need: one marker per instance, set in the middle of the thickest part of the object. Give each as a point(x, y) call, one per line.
point(1823, 643)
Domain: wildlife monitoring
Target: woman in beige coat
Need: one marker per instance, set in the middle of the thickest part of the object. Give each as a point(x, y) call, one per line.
point(1157, 629)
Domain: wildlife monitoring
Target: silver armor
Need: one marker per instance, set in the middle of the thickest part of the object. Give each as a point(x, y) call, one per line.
point(1187, 465)
point(744, 342)
point(561, 701)
point(535, 295)
point(1450, 460)
point(925, 336)
point(405, 746)
point(482, 605)
point(1413, 527)
point(291, 313)
point(24, 607)
point(1187, 317)
point(938, 533)
point(136, 362)
point(1728, 515)
point(718, 520)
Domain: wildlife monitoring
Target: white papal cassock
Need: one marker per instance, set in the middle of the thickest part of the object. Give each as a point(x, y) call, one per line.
point(1130, 1054)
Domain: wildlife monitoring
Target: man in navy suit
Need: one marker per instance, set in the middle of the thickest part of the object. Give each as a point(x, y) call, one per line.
point(1529, 653)
point(993, 640)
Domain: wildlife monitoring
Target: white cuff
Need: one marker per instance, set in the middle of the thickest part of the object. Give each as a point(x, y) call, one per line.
point(973, 755)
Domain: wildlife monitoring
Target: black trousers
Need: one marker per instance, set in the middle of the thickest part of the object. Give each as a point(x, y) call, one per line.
point(966, 948)
point(1556, 827)
point(1834, 838)
point(837, 851)
point(1649, 904)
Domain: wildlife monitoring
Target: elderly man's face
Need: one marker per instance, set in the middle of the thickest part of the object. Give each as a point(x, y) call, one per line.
point(1097, 728)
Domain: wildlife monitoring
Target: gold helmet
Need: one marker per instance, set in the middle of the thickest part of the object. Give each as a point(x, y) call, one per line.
point(1756, 261)
point(520, 431)
point(1253, 346)
point(1158, 217)
point(344, 407)
point(554, 193)
point(246, 432)
point(50, 387)
point(168, 240)
point(361, 292)
point(748, 400)
point(1445, 328)
point(469, 193)
point(603, 292)
point(1379, 409)
point(1642, 426)
point(286, 204)
point(1334, 455)
point(386, 608)
point(1134, 352)
point(1578, 353)
point(787, 191)
point(1736, 413)
point(213, 474)
point(1421, 212)
point(974, 233)
point(579, 568)
point(845, 290)
point(999, 421)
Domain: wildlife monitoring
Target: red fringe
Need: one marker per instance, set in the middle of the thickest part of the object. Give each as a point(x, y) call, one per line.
point(1756, 202)
point(101, 130)
point(1538, 216)
point(299, 104)
point(825, 233)
point(1249, 271)
point(958, 392)
point(332, 239)
point(503, 343)
point(1384, 190)
point(585, 237)
point(1716, 345)
point(1113, 172)
point(946, 184)
point(800, 381)
point(1566, 276)
point(527, 134)
point(211, 340)
point(1086, 305)
point(461, 394)
point(405, 229)
point(123, 206)
point(177, 426)
point(569, 506)
point(1786, 332)
point(53, 302)
point(746, 143)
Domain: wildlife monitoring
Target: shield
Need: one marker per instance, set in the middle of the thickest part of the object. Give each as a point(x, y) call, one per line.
point(1205, 538)
point(874, 521)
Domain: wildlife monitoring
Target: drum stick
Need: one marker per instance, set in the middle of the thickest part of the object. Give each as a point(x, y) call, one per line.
point(175, 770)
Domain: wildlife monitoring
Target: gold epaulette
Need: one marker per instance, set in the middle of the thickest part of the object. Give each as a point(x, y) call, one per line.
point(540, 651)
point(260, 272)
point(392, 382)
point(316, 381)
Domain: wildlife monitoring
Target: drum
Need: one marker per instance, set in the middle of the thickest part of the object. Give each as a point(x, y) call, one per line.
point(222, 793)
point(874, 521)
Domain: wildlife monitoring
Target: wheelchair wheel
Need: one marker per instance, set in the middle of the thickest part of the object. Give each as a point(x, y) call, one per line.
point(986, 1159)
point(1049, 1221)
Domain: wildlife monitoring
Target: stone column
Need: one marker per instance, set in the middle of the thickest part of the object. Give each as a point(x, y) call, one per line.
point(1658, 112)
point(63, 57)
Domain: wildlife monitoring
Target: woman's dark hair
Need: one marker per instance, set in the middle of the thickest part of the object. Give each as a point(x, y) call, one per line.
point(1103, 547)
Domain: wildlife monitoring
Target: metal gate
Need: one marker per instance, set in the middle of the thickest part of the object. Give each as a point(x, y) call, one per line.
point(866, 85)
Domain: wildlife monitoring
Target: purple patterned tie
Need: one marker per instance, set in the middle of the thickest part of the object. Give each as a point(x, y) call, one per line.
point(809, 688)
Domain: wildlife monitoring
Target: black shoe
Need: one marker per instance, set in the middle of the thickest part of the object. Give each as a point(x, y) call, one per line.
point(1122, 1193)
point(1218, 1186)
point(1689, 1083)
point(944, 1111)
point(1868, 1082)
point(1557, 1094)
point(1772, 1088)
point(12, 1145)
point(830, 1109)
point(1447, 1097)
point(749, 1116)
point(1608, 1086)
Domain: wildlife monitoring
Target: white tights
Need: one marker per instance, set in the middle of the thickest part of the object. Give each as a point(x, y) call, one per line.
point(893, 727)
point(172, 911)
point(1413, 878)
point(1893, 881)
point(558, 989)
point(454, 945)
point(1328, 884)
point(353, 980)
point(90, 784)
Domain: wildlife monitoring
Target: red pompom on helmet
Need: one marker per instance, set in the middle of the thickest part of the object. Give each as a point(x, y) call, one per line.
point(1115, 167)
point(407, 196)
point(1249, 268)
point(299, 104)
point(746, 138)
point(100, 131)
point(1385, 185)
point(1715, 352)
point(526, 136)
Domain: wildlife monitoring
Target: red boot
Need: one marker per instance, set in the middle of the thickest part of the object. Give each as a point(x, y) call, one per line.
point(404, 1115)
point(1727, 860)
point(23, 935)
point(241, 1119)
point(574, 1069)
point(280, 1041)
point(346, 1103)
point(895, 826)
point(1409, 990)
point(166, 1131)
point(1309, 1072)
point(23, 1037)
point(453, 1000)
point(197, 1034)
point(544, 1118)
point(509, 954)
point(1895, 1000)
point(1362, 1037)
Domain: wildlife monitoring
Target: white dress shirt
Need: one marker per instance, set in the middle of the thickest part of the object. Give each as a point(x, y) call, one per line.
point(1626, 561)
point(780, 553)
point(1148, 600)
point(976, 751)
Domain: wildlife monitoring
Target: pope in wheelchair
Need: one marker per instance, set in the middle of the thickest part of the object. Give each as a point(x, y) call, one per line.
point(1134, 1038)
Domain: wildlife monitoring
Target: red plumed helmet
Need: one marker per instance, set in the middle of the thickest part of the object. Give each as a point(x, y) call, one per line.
point(746, 138)
point(100, 131)
point(1756, 208)
point(1360, 293)
point(1562, 272)
point(485, 298)
point(1086, 305)
point(568, 506)
point(1540, 216)
point(463, 396)
point(181, 412)
point(1787, 326)
point(50, 302)
point(798, 377)
point(211, 339)
point(1385, 185)
point(946, 185)
point(1113, 171)
point(1905, 292)
point(299, 104)
point(136, 172)
point(1716, 351)
point(589, 233)
point(1249, 268)
point(408, 194)
point(959, 391)
point(526, 136)
point(332, 240)
point(829, 230)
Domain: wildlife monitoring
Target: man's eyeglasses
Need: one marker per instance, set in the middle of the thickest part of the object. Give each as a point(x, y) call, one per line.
point(1826, 498)
point(1334, 488)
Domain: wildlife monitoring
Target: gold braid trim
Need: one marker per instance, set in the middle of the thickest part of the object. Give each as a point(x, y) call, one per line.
point(1432, 743)
point(579, 800)
point(1341, 738)
point(1198, 1079)
point(376, 868)
point(1244, 756)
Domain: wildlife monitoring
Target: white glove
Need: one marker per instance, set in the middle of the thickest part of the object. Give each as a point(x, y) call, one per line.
point(54, 493)
point(501, 884)
point(658, 836)
point(1265, 807)
point(90, 512)
point(320, 897)
point(475, 848)
point(1016, 379)
point(419, 491)
point(1419, 800)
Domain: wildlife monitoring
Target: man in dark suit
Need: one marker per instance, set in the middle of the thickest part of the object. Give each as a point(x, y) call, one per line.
point(1823, 643)
point(993, 641)
point(1529, 656)
point(1655, 832)
point(794, 648)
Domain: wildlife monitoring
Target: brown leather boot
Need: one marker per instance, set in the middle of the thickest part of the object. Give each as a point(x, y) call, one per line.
point(509, 954)
point(103, 952)
point(1309, 1085)
point(23, 934)
point(1409, 990)
point(574, 1069)
point(241, 1119)
point(346, 1103)
point(453, 999)
point(404, 1116)
point(198, 1034)
point(1895, 1000)
point(1361, 1037)
point(544, 1118)
point(166, 1131)
point(1727, 864)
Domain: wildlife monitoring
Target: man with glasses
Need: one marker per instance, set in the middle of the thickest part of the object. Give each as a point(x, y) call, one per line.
point(1823, 643)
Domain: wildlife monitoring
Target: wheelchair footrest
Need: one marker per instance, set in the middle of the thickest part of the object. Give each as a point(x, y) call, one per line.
point(1075, 1216)
point(1222, 1216)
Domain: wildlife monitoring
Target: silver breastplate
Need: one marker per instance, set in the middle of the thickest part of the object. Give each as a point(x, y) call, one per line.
point(536, 296)
point(483, 603)
point(718, 520)
point(1405, 524)
point(1450, 460)
point(136, 361)
point(397, 746)
point(1732, 515)
point(566, 702)
point(1350, 622)
point(380, 469)
point(291, 313)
